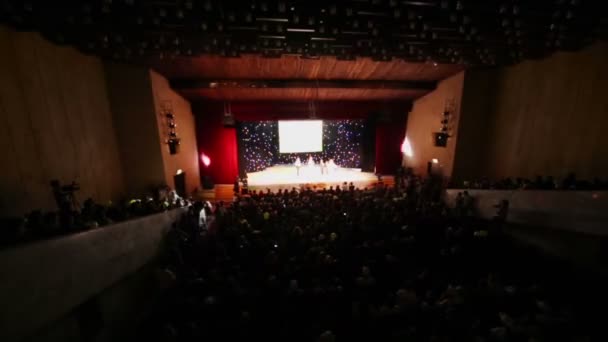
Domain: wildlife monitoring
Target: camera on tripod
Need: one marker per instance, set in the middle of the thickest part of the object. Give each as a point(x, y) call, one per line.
point(64, 195)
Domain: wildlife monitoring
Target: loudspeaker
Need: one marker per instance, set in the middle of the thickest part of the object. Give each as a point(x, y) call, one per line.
point(440, 139)
point(173, 146)
point(229, 121)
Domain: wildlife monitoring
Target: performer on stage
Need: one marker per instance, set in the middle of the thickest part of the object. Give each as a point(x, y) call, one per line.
point(311, 161)
point(331, 165)
point(324, 167)
point(298, 164)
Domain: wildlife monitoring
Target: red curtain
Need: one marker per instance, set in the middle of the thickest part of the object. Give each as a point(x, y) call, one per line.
point(389, 137)
point(218, 143)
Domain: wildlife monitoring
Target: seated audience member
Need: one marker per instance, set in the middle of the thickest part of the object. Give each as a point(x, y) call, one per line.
point(236, 186)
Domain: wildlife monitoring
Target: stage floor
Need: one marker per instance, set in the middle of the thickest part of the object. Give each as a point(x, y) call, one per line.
point(286, 177)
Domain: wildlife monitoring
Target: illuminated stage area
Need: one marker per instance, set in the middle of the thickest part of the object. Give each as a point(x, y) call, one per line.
point(284, 154)
point(286, 176)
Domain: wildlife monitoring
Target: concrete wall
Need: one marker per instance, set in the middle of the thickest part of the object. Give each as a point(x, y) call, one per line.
point(112, 315)
point(570, 225)
point(45, 281)
point(187, 158)
point(55, 123)
point(576, 211)
point(425, 118)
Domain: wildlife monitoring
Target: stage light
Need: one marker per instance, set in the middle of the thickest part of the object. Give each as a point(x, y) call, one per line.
point(179, 172)
point(406, 148)
point(435, 161)
point(205, 159)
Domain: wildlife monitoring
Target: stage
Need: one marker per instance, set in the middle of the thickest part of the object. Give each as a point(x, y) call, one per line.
point(286, 177)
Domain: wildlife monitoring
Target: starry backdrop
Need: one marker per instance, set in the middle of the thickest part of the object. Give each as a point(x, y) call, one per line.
point(259, 144)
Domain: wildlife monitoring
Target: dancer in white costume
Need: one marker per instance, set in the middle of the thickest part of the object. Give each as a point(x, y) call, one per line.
point(298, 164)
point(310, 167)
point(311, 161)
point(323, 167)
point(331, 166)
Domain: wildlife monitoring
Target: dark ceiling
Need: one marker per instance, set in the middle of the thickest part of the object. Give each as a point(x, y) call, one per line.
point(234, 49)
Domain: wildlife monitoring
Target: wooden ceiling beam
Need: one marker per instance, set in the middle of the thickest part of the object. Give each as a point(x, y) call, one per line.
point(197, 83)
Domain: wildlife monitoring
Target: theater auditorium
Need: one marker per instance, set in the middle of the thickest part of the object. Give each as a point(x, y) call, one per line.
point(306, 171)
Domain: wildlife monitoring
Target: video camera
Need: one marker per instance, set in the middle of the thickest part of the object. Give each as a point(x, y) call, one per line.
point(64, 195)
point(66, 188)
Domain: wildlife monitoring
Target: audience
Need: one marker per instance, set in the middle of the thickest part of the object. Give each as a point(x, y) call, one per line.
point(72, 218)
point(345, 264)
point(570, 182)
point(342, 264)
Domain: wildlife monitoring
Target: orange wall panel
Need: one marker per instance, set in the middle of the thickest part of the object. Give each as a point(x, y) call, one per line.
point(425, 118)
point(187, 158)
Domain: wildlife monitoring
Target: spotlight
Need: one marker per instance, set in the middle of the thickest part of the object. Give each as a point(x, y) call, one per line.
point(406, 148)
point(205, 159)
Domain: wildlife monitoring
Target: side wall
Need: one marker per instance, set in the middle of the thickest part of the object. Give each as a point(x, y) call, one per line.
point(187, 158)
point(425, 118)
point(544, 117)
point(56, 124)
point(133, 109)
point(550, 117)
point(478, 96)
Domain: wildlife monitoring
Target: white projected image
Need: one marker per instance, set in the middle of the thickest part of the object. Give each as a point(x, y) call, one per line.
point(296, 136)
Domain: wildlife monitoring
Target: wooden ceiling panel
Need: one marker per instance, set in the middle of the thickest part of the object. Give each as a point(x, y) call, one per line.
point(286, 67)
point(236, 94)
